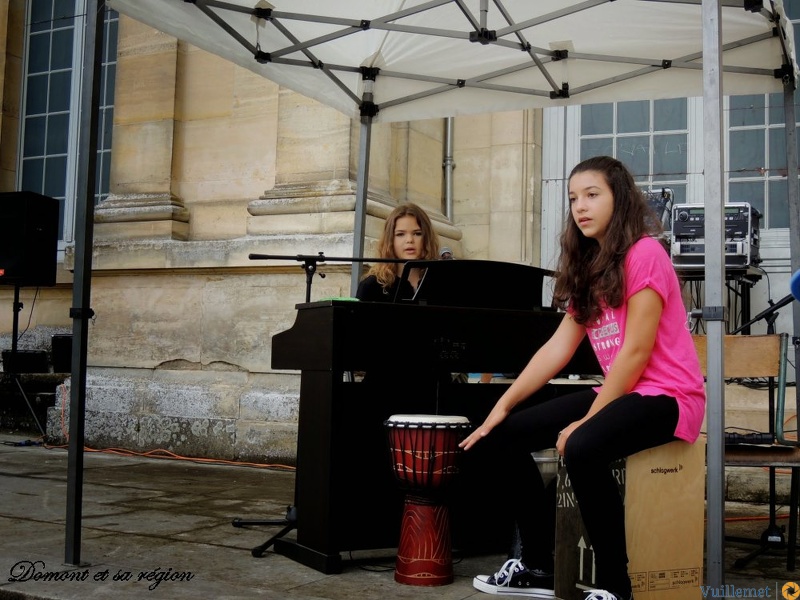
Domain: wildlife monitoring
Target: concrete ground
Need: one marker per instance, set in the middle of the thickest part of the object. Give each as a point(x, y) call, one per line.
point(145, 516)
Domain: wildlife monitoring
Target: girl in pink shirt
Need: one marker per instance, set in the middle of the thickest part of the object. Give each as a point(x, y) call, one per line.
point(617, 285)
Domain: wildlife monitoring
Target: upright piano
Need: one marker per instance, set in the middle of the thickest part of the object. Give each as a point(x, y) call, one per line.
point(346, 498)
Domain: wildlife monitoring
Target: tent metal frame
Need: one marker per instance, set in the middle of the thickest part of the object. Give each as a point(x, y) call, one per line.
point(537, 59)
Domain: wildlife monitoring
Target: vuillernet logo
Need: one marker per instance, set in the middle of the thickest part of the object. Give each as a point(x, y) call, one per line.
point(790, 590)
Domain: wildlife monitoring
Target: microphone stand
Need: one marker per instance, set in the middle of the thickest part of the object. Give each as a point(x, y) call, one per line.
point(310, 262)
point(766, 313)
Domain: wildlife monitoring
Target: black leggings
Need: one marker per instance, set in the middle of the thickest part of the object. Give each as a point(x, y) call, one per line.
point(627, 425)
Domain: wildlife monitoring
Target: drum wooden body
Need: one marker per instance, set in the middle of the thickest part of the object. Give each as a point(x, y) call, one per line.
point(424, 451)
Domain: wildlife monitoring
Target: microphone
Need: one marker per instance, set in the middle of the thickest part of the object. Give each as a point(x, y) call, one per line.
point(794, 285)
point(446, 253)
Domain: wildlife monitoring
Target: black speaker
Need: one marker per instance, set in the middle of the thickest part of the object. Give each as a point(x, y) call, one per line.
point(62, 353)
point(28, 239)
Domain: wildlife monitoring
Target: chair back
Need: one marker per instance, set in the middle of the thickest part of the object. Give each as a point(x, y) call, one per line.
point(754, 356)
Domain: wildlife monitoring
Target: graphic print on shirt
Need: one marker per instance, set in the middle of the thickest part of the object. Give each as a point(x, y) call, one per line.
point(605, 338)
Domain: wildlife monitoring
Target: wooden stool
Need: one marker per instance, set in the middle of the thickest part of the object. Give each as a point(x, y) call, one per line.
point(664, 493)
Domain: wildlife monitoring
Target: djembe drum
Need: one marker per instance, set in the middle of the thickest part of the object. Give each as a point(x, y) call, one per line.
point(424, 451)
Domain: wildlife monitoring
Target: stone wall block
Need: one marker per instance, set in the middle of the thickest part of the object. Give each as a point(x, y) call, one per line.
point(106, 429)
point(134, 172)
point(218, 159)
point(189, 437)
point(313, 140)
point(265, 405)
point(267, 442)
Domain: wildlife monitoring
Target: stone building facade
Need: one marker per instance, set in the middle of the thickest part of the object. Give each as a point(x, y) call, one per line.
point(211, 163)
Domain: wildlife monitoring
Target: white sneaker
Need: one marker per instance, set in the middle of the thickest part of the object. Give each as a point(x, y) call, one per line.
point(514, 579)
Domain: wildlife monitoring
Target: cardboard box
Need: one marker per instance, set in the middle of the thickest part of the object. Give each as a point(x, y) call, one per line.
point(664, 493)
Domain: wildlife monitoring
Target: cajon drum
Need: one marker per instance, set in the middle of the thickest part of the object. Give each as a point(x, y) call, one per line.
point(664, 494)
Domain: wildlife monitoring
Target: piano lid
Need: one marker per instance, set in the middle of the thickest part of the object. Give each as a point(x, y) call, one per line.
point(478, 284)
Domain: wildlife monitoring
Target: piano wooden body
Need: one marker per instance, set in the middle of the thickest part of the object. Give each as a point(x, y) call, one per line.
point(346, 497)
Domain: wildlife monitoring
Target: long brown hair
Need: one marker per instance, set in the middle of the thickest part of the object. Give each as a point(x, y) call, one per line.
point(386, 273)
point(590, 276)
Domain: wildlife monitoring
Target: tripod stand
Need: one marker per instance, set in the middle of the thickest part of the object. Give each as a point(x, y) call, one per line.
point(289, 522)
point(772, 538)
point(11, 368)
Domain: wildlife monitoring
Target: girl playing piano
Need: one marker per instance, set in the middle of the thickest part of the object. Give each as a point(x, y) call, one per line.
point(408, 234)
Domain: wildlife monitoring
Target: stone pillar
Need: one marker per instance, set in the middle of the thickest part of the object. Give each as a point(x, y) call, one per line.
point(141, 204)
point(11, 35)
point(313, 192)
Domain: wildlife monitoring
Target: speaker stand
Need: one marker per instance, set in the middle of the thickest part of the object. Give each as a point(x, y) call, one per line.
point(13, 370)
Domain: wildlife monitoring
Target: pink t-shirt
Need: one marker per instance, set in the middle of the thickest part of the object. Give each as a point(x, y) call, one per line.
point(674, 368)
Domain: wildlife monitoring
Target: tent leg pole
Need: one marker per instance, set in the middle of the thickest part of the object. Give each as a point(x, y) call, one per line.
point(713, 183)
point(81, 287)
point(793, 192)
point(362, 181)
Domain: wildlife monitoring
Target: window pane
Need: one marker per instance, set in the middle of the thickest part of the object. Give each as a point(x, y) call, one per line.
point(747, 110)
point(748, 191)
point(634, 151)
point(63, 12)
point(777, 151)
point(33, 175)
point(55, 176)
point(792, 8)
point(669, 114)
point(108, 128)
point(747, 153)
point(110, 51)
point(36, 95)
point(596, 119)
point(633, 117)
point(776, 110)
point(40, 15)
point(60, 91)
point(57, 134)
point(35, 128)
point(62, 49)
point(669, 154)
point(110, 79)
point(39, 53)
point(597, 147)
point(778, 204)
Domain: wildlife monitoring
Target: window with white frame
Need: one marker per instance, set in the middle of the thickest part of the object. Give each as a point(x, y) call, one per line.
point(50, 115)
point(757, 164)
point(649, 136)
point(656, 139)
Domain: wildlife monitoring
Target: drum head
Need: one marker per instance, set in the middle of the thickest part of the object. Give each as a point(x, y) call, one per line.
point(426, 420)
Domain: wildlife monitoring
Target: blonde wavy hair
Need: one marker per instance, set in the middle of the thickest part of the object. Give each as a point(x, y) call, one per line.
point(386, 273)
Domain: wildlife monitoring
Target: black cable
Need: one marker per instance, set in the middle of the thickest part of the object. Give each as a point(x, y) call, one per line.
point(30, 315)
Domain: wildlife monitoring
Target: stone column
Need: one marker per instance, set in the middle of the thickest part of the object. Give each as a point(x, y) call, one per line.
point(11, 34)
point(313, 193)
point(141, 204)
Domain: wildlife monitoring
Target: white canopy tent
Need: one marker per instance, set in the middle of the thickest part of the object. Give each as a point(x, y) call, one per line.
point(397, 60)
